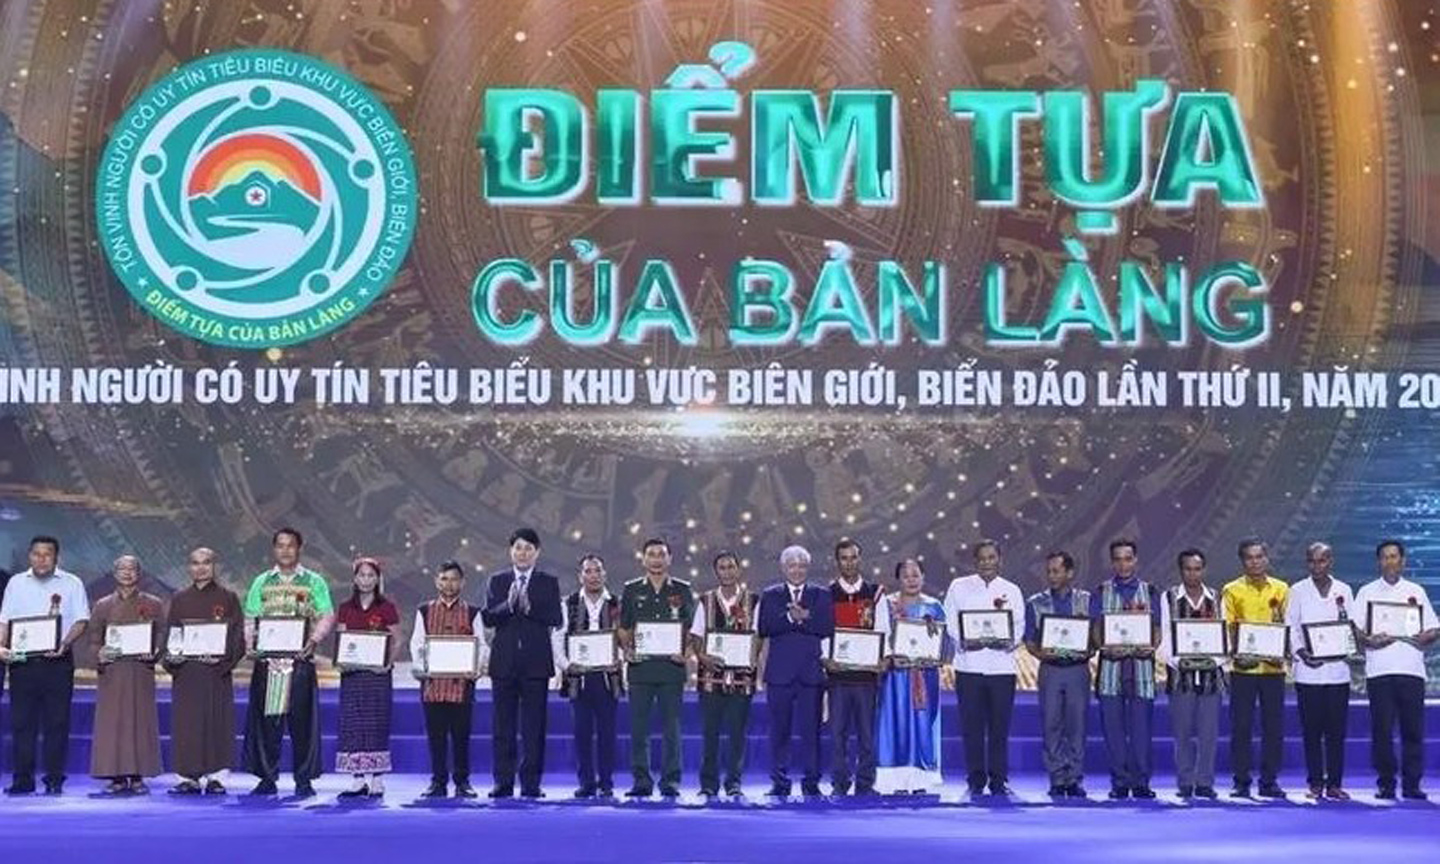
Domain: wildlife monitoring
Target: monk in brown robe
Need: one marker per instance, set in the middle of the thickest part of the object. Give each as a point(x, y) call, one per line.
point(126, 746)
point(202, 697)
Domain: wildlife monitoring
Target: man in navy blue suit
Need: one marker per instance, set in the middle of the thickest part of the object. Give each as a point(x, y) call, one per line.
point(796, 618)
point(521, 605)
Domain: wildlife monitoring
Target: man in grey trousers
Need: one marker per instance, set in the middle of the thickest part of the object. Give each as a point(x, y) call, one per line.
point(1195, 684)
point(1064, 672)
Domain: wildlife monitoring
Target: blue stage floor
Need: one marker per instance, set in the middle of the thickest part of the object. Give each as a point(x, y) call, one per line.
point(79, 827)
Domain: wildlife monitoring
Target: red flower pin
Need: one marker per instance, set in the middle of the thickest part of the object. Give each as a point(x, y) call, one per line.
point(999, 602)
point(375, 622)
point(55, 600)
point(302, 596)
point(217, 612)
point(1414, 601)
point(1340, 601)
point(676, 600)
point(1274, 602)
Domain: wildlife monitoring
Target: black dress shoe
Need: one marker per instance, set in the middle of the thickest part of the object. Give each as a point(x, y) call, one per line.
point(669, 791)
point(214, 787)
point(1271, 790)
point(779, 790)
point(1075, 790)
point(1187, 791)
point(1058, 791)
point(733, 790)
point(435, 790)
point(584, 792)
point(185, 787)
point(1386, 793)
point(303, 789)
point(1144, 793)
point(362, 791)
point(465, 790)
point(265, 787)
point(1240, 790)
point(1000, 789)
point(707, 792)
point(1206, 792)
point(839, 789)
point(1414, 793)
point(19, 788)
point(1119, 793)
point(640, 792)
point(976, 789)
point(498, 792)
point(811, 790)
point(605, 792)
point(864, 791)
point(533, 794)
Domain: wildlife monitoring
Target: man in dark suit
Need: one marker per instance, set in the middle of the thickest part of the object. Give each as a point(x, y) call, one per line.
point(521, 606)
point(796, 618)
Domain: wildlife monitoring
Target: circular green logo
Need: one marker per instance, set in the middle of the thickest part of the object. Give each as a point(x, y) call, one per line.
point(256, 198)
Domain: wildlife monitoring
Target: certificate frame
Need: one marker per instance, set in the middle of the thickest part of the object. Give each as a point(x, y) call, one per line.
point(1419, 615)
point(40, 631)
point(731, 646)
point(1079, 622)
point(1248, 633)
point(281, 625)
point(352, 652)
point(586, 643)
point(124, 638)
point(1324, 628)
point(906, 632)
point(667, 631)
point(199, 634)
point(841, 649)
point(1185, 644)
point(1120, 624)
point(973, 626)
point(470, 670)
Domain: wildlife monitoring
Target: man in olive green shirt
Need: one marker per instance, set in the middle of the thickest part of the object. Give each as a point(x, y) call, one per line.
point(655, 678)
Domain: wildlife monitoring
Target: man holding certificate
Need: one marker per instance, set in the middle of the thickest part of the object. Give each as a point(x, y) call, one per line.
point(1193, 635)
point(44, 613)
point(654, 610)
point(1126, 615)
point(987, 612)
point(852, 692)
point(1318, 615)
point(288, 612)
point(522, 604)
point(123, 630)
point(1399, 623)
point(592, 681)
point(797, 618)
point(447, 692)
point(725, 620)
point(207, 640)
point(1057, 632)
point(1256, 597)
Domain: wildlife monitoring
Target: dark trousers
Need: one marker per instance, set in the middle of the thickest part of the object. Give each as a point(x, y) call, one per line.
point(594, 710)
point(1125, 722)
point(519, 702)
point(1195, 720)
point(447, 727)
point(1397, 698)
point(264, 734)
point(644, 697)
point(40, 691)
point(727, 713)
point(986, 703)
point(1064, 697)
point(1245, 692)
point(1324, 712)
point(852, 713)
point(794, 714)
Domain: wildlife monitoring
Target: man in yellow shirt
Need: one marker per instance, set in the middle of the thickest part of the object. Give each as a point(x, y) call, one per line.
point(1256, 596)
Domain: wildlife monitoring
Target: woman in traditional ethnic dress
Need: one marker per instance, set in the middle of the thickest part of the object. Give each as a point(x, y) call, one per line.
point(908, 728)
point(364, 751)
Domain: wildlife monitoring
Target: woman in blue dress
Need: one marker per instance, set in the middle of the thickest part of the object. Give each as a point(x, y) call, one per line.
point(908, 727)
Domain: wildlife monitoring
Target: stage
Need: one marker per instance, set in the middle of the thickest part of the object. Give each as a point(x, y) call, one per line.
point(79, 827)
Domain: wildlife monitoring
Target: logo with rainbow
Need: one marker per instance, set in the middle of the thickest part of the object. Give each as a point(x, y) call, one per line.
point(256, 199)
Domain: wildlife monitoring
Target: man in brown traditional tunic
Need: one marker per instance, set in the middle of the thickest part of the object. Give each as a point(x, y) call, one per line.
point(126, 745)
point(202, 697)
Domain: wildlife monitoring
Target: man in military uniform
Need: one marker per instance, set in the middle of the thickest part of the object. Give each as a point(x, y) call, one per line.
point(655, 679)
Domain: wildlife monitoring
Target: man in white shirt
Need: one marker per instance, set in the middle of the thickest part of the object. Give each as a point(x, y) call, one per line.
point(1195, 683)
point(42, 683)
point(593, 689)
point(1322, 685)
point(985, 670)
point(1395, 673)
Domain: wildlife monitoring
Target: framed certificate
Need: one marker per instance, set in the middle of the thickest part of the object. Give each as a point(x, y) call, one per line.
point(593, 651)
point(659, 638)
point(987, 625)
point(452, 656)
point(1400, 620)
point(1065, 633)
point(204, 638)
point(1261, 641)
point(856, 649)
point(735, 650)
point(281, 636)
point(37, 634)
point(136, 639)
point(919, 642)
point(362, 649)
point(1200, 637)
point(1126, 630)
point(1330, 640)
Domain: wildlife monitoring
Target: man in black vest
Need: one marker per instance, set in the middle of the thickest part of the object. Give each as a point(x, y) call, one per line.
point(852, 692)
point(522, 606)
point(594, 693)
